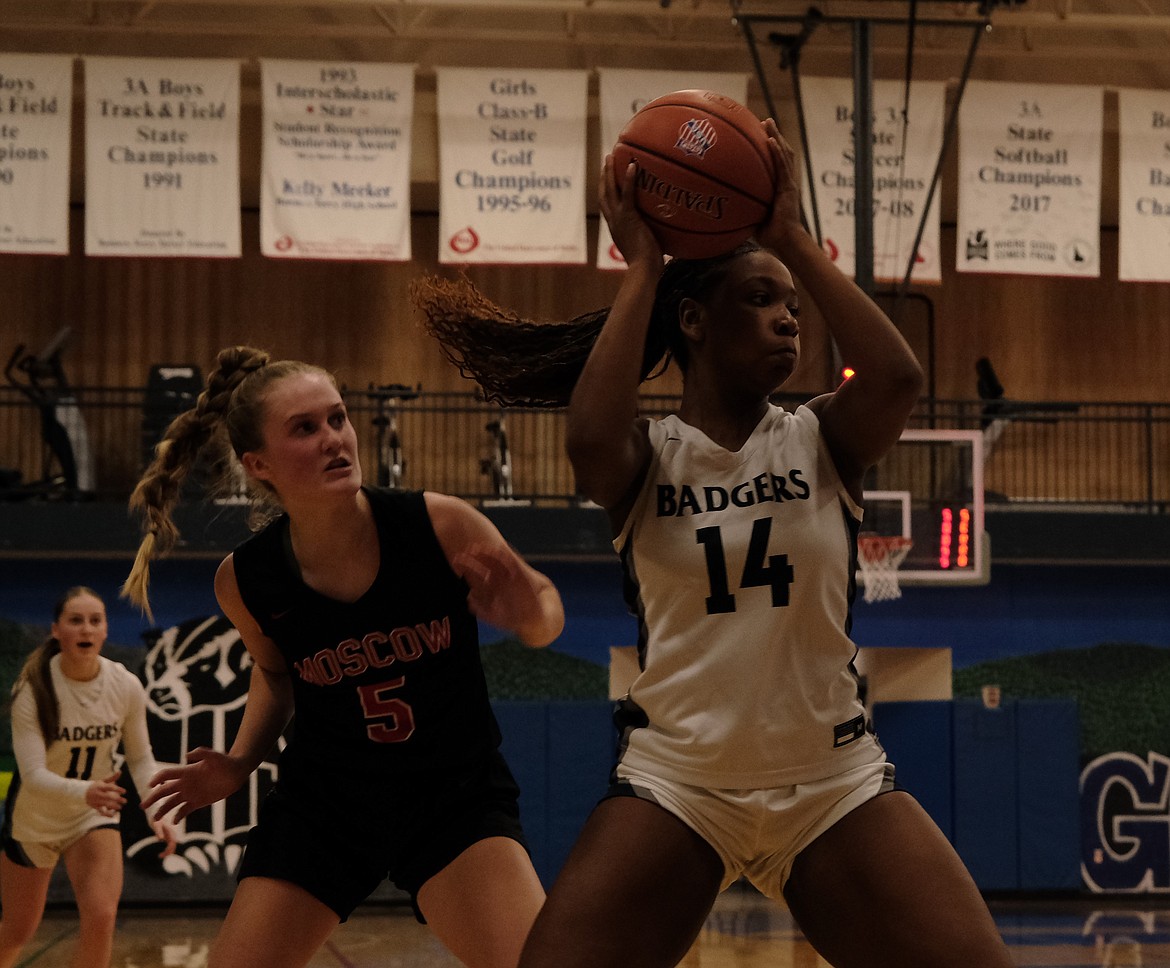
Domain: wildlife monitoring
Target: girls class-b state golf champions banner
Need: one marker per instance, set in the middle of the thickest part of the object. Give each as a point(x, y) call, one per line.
point(1030, 179)
point(905, 154)
point(162, 162)
point(1144, 190)
point(512, 177)
point(36, 107)
point(335, 179)
point(622, 93)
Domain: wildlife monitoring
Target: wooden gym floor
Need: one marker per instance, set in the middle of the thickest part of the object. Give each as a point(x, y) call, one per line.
point(744, 931)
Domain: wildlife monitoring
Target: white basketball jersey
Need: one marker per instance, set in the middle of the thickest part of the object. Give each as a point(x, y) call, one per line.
point(739, 567)
point(95, 718)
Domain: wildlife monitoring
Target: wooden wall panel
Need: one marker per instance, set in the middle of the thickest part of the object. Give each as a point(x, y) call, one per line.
point(1050, 339)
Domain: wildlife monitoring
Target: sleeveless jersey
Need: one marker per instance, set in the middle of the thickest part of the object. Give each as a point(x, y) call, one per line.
point(740, 570)
point(389, 683)
point(46, 800)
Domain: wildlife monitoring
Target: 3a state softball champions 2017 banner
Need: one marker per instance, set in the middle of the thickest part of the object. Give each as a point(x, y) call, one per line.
point(512, 177)
point(335, 179)
point(622, 93)
point(906, 146)
point(1144, 190)
point(162, 157)
point(1030, 179)
point(36, 106)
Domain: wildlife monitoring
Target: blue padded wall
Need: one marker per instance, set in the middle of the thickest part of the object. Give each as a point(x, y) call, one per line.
point(1002, 784)
point(581, 746)
point(1048, 755)
point(561, 754)
point(917, 739)
point(986, 831)
point(524, 726)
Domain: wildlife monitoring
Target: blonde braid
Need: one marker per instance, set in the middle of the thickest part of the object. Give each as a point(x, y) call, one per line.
point(157, 492)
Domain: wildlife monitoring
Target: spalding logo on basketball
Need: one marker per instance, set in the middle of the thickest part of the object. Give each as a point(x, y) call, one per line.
point(705, 174)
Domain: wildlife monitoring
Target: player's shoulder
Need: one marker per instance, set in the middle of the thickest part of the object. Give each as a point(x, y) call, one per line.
point(124, 680)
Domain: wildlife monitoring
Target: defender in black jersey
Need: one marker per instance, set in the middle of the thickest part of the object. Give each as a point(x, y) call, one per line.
point(359, 607)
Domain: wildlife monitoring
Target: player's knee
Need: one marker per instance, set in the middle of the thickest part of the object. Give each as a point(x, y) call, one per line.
point(16, 932)
point(99, 917)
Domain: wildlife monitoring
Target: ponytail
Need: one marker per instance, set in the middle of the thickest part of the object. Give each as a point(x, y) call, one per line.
point(517, 362)
point(190, 432)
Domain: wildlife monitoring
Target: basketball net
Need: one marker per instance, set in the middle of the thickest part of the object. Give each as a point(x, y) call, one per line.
point(878, 557)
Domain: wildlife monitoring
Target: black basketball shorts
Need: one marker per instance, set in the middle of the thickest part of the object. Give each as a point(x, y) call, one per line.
point(339, 847)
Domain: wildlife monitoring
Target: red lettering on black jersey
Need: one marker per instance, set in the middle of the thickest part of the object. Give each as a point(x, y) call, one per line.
point(438, 635)
point(375, 650)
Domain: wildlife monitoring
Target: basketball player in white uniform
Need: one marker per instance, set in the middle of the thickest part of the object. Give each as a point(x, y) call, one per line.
point(72, 710)
point(745, 750)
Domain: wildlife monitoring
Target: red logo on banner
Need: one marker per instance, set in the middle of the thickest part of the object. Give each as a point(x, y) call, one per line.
point(615, 253)
point(831, 249)
point(464, 241)
point(283, 244)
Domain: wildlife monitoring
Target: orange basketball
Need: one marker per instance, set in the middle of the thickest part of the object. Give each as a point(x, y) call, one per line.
point(705, 175)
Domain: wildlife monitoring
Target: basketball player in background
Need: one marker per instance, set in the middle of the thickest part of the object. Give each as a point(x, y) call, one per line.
point(71, 710)
point(359, 607)
point(745, 750)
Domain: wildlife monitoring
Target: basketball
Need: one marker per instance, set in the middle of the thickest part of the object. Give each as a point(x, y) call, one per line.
point(705, 174)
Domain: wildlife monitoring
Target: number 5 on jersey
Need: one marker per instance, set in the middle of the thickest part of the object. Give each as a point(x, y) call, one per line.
point(395, 717)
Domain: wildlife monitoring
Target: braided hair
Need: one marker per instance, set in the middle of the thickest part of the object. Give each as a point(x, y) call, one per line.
point(523, 363)
point(225, 423)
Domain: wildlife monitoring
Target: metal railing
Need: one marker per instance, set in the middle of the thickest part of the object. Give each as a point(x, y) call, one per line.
point(1063, 455)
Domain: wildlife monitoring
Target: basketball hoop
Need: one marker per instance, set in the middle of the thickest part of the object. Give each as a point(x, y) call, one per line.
point(878, 557)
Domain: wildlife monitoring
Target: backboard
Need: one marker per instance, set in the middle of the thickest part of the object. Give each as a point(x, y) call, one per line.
point(929, 488)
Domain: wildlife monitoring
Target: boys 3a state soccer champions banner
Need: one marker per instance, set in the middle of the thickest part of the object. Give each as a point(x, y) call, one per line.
point(162, 157)
point(512, 179)
point(622, 93)
point(1030, 179)
point(335, 178)
point(36, 108)
point(905, 155)
point(1144, 190)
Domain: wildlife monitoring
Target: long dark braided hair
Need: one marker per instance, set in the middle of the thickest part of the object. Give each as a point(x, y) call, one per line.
point(522, 363)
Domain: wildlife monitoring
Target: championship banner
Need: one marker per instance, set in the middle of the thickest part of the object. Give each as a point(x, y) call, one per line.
point(162, 157)
point(905, 155)
point(1143, 122)
point(335, 178)
point(512, 178)
point(1030, 179)
point(622, 93)
point(36, 108)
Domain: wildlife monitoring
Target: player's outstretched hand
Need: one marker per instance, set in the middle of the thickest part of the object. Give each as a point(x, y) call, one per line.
point(501, 590)
point(207, 777)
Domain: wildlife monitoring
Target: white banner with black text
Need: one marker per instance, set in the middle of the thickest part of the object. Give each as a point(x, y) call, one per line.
point(1143, 209)
point(622, 93)
point(162, 157)
point(36, 110)
point(335, 178)
point(512, 177)
point(907, 140)
point(1030, 179)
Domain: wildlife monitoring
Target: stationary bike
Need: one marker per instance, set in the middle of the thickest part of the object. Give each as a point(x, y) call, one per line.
point(498, 465)
point(391, 460)
point(67, 465)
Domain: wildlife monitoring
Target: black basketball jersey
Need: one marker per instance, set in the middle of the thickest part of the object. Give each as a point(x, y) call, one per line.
point(389, 683)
